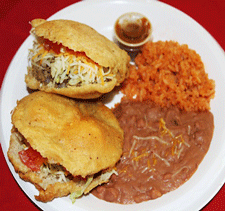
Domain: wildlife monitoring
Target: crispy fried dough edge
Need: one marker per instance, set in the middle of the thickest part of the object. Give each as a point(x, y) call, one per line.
point(91, 91)
point(53, 190)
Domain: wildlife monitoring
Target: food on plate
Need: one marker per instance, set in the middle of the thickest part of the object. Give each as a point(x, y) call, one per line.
point(72, 59)
point(162, 149)
point(170, 74)
point(166, 120)
point(63, 146)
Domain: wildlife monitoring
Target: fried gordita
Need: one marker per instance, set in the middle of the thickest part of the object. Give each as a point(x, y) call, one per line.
point(63, 146)
point(73, 59)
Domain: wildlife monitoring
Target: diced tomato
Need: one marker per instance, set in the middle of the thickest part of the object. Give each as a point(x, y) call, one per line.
point(32, 159)
point(48, 45)
point(51, 46)
point(81, 178)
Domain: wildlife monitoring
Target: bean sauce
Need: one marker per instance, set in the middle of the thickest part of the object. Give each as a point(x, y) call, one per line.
point(162, 149)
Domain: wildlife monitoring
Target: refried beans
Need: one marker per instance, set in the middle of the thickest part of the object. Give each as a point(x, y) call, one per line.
point(162, 149)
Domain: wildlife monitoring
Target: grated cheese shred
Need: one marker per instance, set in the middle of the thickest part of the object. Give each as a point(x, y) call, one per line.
point(177, 141)
point(177, 146)
point(76, 68)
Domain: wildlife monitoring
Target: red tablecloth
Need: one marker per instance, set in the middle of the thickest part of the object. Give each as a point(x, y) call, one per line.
point(14, 18)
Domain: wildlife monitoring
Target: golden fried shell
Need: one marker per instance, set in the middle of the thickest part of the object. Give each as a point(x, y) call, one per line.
point(85, 138)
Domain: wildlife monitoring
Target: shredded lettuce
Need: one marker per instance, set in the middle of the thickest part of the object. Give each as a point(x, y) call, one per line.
point(76, 194)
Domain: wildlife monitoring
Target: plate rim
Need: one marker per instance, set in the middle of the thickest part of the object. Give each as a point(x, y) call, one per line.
point(60, 11)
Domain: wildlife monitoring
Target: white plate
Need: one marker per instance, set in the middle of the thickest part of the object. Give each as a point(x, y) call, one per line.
point(168, 24)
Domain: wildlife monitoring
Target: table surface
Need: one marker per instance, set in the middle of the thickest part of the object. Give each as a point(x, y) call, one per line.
point(14, 16)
